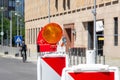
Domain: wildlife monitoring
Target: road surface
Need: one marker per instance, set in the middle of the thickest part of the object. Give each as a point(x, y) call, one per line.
point(15, 69)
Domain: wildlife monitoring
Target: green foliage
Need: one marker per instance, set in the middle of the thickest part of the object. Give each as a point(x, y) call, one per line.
point(6, 27)
point(14, 26)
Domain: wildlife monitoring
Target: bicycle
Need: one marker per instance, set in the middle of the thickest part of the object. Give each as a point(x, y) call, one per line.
point(23, 51)
point(24, 56)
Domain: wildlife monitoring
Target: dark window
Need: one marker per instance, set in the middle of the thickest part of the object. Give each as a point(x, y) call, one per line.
point(29, 35)
point(116, 31)
point(68, 4)
point(12, 3)
point(33, 35)
point(36, 32)
point(56, 4)
point(64, 4)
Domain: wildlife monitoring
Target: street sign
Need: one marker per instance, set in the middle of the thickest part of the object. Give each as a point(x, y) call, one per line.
point(18, 39)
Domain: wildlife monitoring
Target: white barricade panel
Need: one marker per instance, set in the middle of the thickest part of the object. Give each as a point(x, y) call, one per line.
point(81, 72)
point(91, 76)
point(50, 67)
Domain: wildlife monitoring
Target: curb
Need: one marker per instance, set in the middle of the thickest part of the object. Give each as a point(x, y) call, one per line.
point(29, 59)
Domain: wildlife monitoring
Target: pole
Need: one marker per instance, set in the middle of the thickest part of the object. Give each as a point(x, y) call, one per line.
point(7, 37)
point(11, 30)
point(95, 31)
point(17, 28)
point(2, 33)
point(49, 11)
point(91, 57)
point(17, 4)
point(17, 25)
point(95, 25)
point(21, 27)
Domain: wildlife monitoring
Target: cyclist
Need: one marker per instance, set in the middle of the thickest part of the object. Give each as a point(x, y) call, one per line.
point(24, 49)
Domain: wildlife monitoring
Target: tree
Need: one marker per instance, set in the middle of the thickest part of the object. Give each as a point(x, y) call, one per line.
point(6, 29)
point(14, 26)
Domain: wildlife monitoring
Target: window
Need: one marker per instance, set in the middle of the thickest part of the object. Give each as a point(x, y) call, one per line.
point(33, 36)
point(68, 4)
point(12, 3)
point(116, 31)
point(29, 36)
point(64, 4)
point(56, 4)
point(36, 33)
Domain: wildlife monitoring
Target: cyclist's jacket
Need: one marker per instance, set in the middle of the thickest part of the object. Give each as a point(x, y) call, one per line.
point(24, 47)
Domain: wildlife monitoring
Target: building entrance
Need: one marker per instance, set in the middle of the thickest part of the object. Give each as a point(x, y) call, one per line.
point(90, 35)
point(100, 43)
point(69, 35)
point(99, 39)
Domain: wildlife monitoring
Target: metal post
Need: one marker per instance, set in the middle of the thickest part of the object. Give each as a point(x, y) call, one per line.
point(2, 33)
point(7, 37)
point(17, 4)
point(17, 28)
point(21, 27)
point(11, 29)
point(94, 25)
point(94, 13)
point(49, 11)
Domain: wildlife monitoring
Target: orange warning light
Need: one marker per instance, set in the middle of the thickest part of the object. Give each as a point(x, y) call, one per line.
point(52, 33)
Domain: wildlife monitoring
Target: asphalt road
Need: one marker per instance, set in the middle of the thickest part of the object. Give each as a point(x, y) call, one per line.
point(14, 69)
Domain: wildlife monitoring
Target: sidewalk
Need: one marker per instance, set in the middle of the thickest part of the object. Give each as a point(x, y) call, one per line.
point(114, 62)
point(29, 58)
point(33, 58)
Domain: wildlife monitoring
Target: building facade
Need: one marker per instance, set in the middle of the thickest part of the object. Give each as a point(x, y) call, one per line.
point(20, 7)
point(11, 5)
point(8, 6)
point(77, 21)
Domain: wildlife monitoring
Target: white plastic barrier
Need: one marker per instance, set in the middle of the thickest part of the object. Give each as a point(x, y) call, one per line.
point(90, 72)
point(90, 57)
point(50, 66)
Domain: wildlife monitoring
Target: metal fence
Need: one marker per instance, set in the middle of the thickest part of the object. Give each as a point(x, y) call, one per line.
point(78, 56)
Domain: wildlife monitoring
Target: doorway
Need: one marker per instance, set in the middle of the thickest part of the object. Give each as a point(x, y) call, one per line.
point(100, 43)
point(90, 35)
point(69, 35)
point(99, 38)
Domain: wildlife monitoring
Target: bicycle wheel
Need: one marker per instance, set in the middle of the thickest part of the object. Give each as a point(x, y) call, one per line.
point(24, 57)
